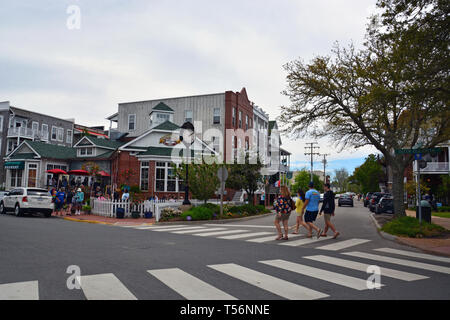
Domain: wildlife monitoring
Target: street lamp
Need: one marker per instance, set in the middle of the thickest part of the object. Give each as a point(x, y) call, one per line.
point(187, 137)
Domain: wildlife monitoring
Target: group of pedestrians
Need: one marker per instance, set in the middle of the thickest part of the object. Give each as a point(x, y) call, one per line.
point(72, 198)
point(307, 209)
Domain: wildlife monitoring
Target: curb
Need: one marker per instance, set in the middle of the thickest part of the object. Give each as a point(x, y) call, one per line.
point(383, 234)
point(102, 222)
point(396, 239)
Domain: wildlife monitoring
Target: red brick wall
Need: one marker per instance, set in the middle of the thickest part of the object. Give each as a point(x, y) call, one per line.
point(240, 101)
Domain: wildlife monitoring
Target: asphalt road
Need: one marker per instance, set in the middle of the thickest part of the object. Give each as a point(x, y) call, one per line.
point(35, 253)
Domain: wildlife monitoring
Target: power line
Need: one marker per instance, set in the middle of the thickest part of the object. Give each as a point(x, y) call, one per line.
point(324, 161)
point(311, 153)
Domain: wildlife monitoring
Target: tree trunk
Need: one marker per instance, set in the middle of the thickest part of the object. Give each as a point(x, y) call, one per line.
point(398, 190)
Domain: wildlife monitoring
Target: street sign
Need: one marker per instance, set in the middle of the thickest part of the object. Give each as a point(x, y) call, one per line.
point(417, 156)
point(414, 151)
point(222, 173)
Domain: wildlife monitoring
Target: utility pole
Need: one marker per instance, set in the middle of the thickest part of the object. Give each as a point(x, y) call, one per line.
point(311, 153)
point(324, 161)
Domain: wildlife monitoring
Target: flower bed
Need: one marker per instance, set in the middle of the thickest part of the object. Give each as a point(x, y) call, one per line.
point(211, 211)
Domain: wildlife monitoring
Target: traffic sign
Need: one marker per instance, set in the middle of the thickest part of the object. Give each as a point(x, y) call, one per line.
point(417, 156)
point(414, 151)
point(222, 173)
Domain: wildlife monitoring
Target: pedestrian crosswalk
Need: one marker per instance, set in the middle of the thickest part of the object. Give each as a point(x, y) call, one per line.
point(304, 278)
point(253, 234)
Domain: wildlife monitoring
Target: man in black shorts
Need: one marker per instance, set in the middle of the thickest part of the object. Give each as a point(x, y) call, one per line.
point(312, 198)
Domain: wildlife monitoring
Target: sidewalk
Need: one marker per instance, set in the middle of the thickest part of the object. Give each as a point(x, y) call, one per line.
point(89, 218)
point(432, 246)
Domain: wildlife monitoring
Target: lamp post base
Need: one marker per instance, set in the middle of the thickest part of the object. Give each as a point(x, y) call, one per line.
point(186, 202)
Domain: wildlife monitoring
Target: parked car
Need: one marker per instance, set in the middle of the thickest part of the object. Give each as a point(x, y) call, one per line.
point(367, 198)
point(375, 199)
point(27, 200)
point(385, 205)
point(345, 199)
point(3, 194)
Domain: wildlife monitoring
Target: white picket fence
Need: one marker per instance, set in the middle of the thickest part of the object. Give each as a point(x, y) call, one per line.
point(107, 208)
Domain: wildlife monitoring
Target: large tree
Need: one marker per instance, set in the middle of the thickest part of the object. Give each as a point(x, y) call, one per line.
point(391, 94)
point(302, 180)
point(341, 179)
point(368, 175)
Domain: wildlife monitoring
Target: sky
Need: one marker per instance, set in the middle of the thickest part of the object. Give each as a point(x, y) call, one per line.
point(146, 49)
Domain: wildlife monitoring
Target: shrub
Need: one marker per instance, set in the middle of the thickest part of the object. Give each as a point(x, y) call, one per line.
point(214, 207)
point(198, 213)
point(86, 208)
point(169, 213)
point(444, 209)
point(135, 189)
point(410, 227)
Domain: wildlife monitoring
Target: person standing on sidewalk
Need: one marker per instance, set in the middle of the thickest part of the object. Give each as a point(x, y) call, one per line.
point(312, 209)
point(79, 198)
point(328, 207)
point(283, 206)
point(59, 201)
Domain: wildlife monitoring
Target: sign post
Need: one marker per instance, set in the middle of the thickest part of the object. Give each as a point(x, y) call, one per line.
point(222, 173)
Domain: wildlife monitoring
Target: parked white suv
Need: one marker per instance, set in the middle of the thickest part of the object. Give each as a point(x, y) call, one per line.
point(27, 200)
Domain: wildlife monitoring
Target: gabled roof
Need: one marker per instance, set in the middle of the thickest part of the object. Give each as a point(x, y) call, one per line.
point(102, 143)
point(162, 107)
point(167, 126)
point(23, 156)
point(46, 150)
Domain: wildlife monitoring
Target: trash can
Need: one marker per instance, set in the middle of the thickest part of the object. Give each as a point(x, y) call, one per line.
point(120, 213)
point(426, 211)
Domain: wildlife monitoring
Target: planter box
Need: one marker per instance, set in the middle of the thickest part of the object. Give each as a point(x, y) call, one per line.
point(120, 213)
point(135, 214)
point(148, 215)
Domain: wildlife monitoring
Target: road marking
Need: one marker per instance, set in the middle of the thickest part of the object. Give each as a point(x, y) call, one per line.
point(241, 225)
point(408, 263)
point(385, 272)
point(245, 235)
point(272, 238)
point(274, 285)
point(104, 287)
point(178, 229)
point(166, 226)
point(189, 286)
point(414, 254)
point(333, 277)
point(302, 242)
point(198, 230)
point(28, 290)
point(343, 244)
point(218, 233)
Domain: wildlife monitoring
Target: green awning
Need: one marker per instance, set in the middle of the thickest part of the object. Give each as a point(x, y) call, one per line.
point(15, 165)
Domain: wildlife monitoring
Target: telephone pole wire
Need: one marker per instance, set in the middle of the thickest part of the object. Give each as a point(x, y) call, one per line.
point(312, 153)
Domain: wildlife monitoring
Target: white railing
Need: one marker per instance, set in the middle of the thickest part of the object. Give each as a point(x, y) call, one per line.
point(27, 133)
point(435, 167)
point(107, 208)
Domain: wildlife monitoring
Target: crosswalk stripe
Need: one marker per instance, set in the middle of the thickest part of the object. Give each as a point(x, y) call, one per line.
point(218, 233)
point(28, 290)
point(408, 263)
point(198, 230)
point(343, 244)
point(302, 242)
point(178, 229)
point(269, 283)
point(241, 225)
point(104, 287)
point(244, 235)
point(272, 238)
point(167, 226)
point(189, 286)
point(333, 277)
point(414, 254)
point(386, 272)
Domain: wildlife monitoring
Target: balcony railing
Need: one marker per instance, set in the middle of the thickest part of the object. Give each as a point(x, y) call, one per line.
point(28, 133)
point(435, 167)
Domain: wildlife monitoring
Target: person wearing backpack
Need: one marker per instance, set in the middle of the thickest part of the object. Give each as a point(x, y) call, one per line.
point(283, 207)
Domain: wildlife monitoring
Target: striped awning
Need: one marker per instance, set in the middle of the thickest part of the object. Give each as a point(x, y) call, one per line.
point(15, 165)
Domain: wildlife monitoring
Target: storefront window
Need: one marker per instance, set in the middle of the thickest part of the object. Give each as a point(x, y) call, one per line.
point(166, 181)
point(144, 175)
point(16, 177)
